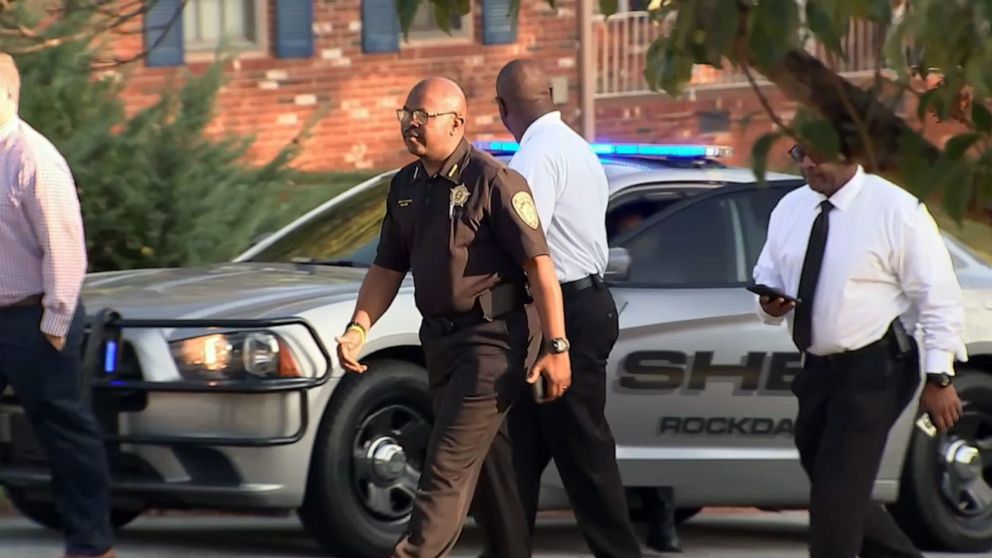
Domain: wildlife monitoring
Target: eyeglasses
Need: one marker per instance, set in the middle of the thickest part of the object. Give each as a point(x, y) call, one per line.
point(797, 153)
point(419, 116)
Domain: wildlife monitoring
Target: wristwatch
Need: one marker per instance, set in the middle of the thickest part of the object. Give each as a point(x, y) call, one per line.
point(941, 379)
point(558, 345)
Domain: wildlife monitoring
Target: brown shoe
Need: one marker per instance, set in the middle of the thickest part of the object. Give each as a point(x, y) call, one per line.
point(108, 554)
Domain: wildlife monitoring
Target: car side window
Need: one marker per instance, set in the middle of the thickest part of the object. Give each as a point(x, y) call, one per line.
point(694, 246)
point(754, 206)
point(347, 231)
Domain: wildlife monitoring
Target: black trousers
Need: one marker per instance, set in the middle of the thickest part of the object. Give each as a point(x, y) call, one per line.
point(476, 374)
point(847, 405)
point(574, 432)
point(49, 385)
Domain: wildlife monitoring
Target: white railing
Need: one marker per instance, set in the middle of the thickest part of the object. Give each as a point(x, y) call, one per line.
point(622, 43)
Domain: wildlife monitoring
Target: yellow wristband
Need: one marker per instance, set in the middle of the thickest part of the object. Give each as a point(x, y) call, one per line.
point(359, 329)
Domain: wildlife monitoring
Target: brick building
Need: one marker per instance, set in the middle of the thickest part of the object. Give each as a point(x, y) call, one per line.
point(294, 55)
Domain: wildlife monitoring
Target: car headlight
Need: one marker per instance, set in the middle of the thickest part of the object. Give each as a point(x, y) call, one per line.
point(235, 355)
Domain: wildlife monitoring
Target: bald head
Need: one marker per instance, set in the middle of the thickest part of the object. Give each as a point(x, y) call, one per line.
point(10, 87)
point(438, 94)
point(524, 92)
point(435, 119)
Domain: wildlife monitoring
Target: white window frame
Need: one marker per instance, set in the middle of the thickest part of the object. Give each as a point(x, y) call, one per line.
point(197, 51)
point(437, 36)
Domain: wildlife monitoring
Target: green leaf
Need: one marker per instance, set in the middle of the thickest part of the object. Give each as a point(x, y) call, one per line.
point(666, 68)
point(443, 15)
point(981, 116)
point(722, 31)
point(821, 137)
point(407, 10)
point(879, 11)
point(959, 144)
point(957, 186)
point(927, 101)
point(774, 30)
point(823, 27)
point(759, 154)
point(609, 7)
point(895, 53)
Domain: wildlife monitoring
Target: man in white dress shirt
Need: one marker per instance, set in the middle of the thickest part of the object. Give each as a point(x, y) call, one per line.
point(868, 264)
point(42, 320)
point(571, 194)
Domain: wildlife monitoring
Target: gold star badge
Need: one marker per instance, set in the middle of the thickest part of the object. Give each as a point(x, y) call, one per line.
point(459, 195)
point(523, 204)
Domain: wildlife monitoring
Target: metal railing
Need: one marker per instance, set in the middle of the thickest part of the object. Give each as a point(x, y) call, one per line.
point(623, 40)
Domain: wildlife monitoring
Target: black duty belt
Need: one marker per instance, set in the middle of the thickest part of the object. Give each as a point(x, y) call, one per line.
point(896, 340)
point(582, 284)
point(490, 305)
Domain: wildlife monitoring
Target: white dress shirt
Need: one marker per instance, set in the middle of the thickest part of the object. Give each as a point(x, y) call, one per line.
point(42, 244)
point(884, 258)
point(571, 193)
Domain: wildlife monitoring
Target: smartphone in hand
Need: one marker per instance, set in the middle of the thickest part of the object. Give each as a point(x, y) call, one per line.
point(765, 290)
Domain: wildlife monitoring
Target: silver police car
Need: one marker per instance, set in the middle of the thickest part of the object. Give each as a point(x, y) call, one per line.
point(218, 387)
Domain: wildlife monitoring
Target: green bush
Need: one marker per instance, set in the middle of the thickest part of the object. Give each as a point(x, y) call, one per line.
point(154, 190)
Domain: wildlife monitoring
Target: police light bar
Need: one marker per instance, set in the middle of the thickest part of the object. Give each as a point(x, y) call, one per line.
point(683, 151)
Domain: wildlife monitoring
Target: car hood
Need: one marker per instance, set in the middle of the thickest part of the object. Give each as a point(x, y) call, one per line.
point(232, 290)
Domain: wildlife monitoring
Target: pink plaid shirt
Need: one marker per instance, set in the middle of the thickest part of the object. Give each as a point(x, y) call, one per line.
point(42, 247)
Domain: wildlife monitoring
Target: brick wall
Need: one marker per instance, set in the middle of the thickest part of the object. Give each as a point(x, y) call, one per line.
point(270, 98)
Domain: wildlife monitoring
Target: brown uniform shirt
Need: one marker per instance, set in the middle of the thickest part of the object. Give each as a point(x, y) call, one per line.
point(460, 232)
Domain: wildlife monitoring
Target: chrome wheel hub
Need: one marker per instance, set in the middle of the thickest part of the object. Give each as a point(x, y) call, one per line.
point(387, 455)
point(965, 463)
point(388, 459)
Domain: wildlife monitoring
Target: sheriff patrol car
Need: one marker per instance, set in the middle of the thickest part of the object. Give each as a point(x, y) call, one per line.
point(218, 387)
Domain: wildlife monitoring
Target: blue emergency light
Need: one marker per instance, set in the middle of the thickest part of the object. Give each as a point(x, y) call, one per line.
point(110, 357)
point(675, 151)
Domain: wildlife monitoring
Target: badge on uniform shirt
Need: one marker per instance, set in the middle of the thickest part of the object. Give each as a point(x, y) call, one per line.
point(523, 204)
point(459, 195)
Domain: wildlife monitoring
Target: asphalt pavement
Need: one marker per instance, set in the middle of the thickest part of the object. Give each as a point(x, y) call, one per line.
point(712, 534)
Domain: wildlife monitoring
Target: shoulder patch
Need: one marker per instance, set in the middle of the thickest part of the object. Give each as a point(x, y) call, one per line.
point(523, 205)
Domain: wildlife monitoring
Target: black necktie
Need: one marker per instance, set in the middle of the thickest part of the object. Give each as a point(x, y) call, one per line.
point(802, 329)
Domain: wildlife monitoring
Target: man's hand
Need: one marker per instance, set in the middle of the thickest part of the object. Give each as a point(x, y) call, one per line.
point(776, 307)
point(349, 346)
point(558, 369)
point(56, 341)
point(942, 404)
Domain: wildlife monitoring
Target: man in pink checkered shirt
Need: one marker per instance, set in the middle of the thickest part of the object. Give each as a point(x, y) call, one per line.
point(42, 265)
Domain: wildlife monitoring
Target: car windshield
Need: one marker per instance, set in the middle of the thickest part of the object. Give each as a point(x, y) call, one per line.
point(345, 233)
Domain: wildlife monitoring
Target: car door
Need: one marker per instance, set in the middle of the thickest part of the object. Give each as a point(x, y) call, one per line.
point(698, 387)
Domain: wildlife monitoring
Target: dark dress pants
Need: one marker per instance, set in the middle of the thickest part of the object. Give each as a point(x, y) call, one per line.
point(847, 405)
point(574, 432)
point(49, 384)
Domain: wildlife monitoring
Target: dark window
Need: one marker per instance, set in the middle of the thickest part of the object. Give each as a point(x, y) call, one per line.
point(347, 231)
point(755, 208)
point(696, 245)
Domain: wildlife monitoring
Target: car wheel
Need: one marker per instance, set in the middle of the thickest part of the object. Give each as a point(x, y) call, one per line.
point(945, 500)
point(44, 513)
point(367, 459)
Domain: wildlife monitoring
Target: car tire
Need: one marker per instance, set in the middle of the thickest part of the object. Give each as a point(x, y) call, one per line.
point(44, 513)
point(924, 511)
point(338, 509)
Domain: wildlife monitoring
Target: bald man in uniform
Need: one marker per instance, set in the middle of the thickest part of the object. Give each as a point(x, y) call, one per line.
point(571, 192)
point(467, 228)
